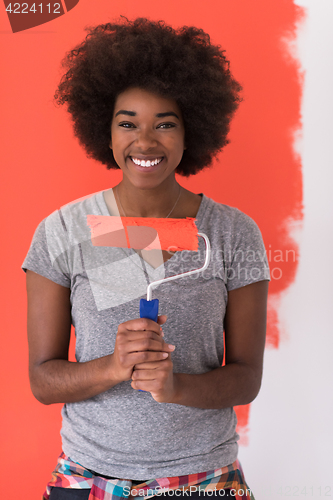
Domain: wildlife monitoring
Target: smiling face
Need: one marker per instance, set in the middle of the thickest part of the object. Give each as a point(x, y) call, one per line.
point(147, 137)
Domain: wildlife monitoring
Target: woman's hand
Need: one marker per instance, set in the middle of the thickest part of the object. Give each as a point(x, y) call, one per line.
point(156, 377)
point(236, 383)
point(53, 378)
point(138, 341)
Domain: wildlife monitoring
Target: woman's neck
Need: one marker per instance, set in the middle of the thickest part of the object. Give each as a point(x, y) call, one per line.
point(158, 202)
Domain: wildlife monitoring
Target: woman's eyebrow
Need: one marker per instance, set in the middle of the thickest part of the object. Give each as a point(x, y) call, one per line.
point(133, 113)
point(124, 112)
point(168, 113)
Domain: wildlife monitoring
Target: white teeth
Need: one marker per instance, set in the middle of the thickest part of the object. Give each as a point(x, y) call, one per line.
point(148, 163)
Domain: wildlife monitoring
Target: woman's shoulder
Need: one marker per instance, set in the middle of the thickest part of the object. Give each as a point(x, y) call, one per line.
point(57, 236)
point(67, 225)
point(225, 216)
point(74, 212)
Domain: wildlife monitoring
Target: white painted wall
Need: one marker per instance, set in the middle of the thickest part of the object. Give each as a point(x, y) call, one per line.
point(290, 450)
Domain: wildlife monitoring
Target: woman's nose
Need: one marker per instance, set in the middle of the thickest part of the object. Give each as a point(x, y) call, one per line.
point(146, 139)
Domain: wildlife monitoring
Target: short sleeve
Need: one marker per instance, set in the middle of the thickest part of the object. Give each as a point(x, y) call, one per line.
point(247, 262)
point(41, 257)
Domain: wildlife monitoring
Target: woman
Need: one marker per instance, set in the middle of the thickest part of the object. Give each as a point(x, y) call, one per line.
point(154, 407)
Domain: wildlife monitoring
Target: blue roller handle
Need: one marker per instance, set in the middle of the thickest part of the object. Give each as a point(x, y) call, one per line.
point(149, 309)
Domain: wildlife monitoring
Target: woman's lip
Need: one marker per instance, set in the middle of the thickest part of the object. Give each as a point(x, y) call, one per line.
point(147, 169)
point(146, 157)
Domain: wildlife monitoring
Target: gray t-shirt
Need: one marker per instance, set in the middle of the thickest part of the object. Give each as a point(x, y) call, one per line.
point(122, 432)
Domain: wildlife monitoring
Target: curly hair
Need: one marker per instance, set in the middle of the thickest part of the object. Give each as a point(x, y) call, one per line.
point(178, 64)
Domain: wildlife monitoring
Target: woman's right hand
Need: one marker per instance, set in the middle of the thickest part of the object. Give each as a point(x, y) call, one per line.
point(138, 341)
point(55, 379)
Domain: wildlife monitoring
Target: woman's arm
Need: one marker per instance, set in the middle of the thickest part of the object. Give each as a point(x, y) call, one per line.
point(53, 378)
point(236, 383)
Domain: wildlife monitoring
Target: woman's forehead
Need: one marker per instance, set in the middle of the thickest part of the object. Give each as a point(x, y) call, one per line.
point(141, 99)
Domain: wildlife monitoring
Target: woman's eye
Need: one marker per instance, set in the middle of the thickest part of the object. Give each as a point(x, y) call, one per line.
point(130, 125)
point(166, 125)
point(126, 125)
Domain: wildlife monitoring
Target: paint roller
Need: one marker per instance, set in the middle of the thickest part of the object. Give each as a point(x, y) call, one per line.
point(149, 307)
point(148, 233)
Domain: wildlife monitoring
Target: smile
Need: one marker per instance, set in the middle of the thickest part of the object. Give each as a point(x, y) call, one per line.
point(148, 163)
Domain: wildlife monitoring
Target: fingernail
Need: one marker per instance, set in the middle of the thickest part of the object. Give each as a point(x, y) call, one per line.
point(165, 355)
point(173, 347)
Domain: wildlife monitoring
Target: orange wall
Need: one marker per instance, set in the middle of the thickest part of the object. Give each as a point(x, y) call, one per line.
point(44, 167)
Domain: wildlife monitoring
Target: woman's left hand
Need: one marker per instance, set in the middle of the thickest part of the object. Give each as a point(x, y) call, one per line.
point(157, 378)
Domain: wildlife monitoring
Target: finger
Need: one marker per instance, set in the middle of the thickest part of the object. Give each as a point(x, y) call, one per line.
point(131, 336)
point(145, 374)
point(153, 365)
point(162, 319)
point(149, 345)
point(140, 324)
point(144, 385)
point(137, 358)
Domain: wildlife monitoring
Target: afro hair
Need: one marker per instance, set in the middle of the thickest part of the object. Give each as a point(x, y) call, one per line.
point(178, 64)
